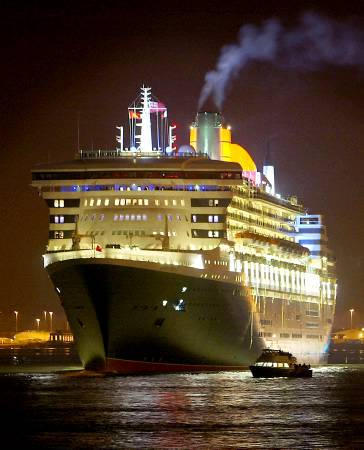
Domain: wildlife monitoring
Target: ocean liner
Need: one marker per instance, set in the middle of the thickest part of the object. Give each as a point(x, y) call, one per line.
point(171, 260)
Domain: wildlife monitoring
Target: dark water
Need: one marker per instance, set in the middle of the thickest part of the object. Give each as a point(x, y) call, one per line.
point(166, 411)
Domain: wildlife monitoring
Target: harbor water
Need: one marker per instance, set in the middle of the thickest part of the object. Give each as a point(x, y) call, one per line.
point(218, 410)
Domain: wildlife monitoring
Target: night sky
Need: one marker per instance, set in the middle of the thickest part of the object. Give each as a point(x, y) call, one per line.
point(90, 59)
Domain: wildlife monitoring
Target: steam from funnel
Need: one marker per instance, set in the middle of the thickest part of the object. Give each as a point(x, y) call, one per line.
point(317, 41)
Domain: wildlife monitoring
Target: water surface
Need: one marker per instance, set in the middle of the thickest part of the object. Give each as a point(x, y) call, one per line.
point(201, 410)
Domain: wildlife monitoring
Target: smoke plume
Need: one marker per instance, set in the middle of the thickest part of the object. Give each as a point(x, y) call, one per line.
point(316, 41)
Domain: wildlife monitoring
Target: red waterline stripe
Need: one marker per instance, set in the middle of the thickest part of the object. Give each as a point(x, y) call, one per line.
point(124, 366)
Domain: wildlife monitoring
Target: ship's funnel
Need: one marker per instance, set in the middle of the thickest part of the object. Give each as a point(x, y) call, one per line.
point(205, 134)
point(210, 137)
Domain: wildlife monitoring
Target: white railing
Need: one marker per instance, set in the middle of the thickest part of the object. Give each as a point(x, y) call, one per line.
point(193, 260)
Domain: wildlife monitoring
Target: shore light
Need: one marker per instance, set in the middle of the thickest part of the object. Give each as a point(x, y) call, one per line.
point(351, 317)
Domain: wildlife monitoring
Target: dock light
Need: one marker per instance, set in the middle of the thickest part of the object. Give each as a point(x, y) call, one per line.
point(351, 317)
point(37, 320)
point(164, 302)
point(16, 321)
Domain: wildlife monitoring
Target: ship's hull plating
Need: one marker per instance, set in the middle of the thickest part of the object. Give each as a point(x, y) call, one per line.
point(137, 320)
point(118, 318)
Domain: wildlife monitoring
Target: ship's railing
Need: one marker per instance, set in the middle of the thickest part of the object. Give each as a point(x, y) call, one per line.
point(112, 154)
point(193, 260)
point(236, 204)
point(260, 224)
point(279, 201)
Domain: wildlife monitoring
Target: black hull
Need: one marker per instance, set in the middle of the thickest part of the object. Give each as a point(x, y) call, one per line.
point(116, 313)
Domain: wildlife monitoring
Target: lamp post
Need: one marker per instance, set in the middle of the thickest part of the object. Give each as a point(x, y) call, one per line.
point(51, 320)
point(351, 317)
point(45, 319)
point(16, 321)
point(37, 320)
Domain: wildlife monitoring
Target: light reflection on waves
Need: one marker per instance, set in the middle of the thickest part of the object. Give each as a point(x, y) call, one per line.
point(202, 410)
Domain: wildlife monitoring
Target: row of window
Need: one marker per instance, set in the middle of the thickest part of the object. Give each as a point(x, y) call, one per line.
point(68, 234)
point(287, 335)
point(67, 218)
point(208, 233)
point(216, 262)
point(60, 234)
point(134, 187)
point(133, 202)
point(141, 233)
point(208, 218)
point(116, 218)
point(58, 219)
point(195, 202)
point(132, 217)
point(63, 203)
point(144, 217)
point(92, 217)
point(309, 220)
point(308, 325)
point(138, 217)
point(209, 202)
point(168, 174)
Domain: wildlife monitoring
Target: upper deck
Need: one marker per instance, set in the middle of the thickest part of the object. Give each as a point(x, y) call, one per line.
point(138, 167)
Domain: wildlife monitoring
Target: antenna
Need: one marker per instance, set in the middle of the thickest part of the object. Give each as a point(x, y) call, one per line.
point(148, 123)
point(145, 132)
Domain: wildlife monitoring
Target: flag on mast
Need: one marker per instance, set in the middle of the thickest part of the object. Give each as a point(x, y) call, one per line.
point(157, 107)
point(134, 114)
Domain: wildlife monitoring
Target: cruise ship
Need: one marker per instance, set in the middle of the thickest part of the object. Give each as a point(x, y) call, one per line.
point(183, 259)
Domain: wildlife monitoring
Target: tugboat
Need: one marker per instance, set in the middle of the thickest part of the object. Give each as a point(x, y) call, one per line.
point(276, 363)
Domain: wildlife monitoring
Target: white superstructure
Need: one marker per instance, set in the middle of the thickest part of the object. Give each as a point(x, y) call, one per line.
point(197, 217)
